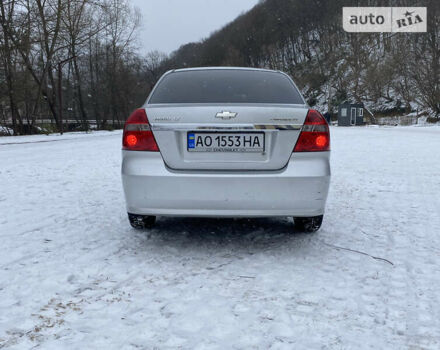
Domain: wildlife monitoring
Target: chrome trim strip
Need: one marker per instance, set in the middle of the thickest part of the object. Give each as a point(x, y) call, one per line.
point(177, 127)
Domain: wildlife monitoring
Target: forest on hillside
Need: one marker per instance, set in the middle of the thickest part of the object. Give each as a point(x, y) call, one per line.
point(78, 59)
point(388, 72)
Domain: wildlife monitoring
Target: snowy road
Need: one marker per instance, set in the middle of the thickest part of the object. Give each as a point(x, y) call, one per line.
point(73, 274)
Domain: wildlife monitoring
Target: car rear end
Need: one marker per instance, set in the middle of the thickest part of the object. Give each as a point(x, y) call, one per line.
point(226, 142)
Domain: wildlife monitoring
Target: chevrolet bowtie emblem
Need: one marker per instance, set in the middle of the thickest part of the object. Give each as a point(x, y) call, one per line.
point(226, 115)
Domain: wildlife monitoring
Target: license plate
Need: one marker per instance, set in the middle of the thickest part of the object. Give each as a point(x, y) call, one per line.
point(225, 142)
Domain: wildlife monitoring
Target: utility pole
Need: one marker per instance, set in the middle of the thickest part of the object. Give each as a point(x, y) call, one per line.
point(60, 92)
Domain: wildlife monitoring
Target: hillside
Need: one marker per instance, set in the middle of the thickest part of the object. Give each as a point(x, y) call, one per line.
point(87, 71)
point(390, 73)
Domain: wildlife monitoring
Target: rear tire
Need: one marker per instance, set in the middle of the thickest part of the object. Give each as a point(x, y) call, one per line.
point(141, 222)
point(310, 224)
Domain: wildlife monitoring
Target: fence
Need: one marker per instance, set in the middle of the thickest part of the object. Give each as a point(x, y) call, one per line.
point(43, 124)
point(398, 120)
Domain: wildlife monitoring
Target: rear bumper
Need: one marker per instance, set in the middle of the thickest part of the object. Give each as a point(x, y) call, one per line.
point(299, 189)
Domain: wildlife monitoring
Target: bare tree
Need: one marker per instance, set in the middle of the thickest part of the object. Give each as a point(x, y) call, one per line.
point(7, 10)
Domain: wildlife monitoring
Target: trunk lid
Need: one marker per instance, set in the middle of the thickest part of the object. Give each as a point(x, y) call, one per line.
point(281, 125)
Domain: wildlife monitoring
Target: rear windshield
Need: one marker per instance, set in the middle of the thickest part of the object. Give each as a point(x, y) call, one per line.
point(226, 86)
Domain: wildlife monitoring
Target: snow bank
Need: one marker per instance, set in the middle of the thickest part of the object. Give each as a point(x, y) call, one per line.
point(4, 140)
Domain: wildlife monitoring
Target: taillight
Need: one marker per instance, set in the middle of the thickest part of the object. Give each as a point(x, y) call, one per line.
point(315, 135)
point(137, 133)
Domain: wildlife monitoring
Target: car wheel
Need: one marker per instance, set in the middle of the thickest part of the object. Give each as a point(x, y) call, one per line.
point(311, 224)
point(141, 222)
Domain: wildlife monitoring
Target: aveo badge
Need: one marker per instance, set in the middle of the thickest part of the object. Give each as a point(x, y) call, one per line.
point(384, 19)
point(226, 115)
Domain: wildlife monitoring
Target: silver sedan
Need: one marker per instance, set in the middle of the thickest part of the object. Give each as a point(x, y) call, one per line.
point(226, 142)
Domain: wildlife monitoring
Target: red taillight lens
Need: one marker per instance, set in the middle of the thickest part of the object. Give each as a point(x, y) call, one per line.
point(137, 133)
point(315, 135)
point(131, 140)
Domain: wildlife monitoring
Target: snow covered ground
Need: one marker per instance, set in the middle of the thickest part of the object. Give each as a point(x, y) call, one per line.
point(73, 274)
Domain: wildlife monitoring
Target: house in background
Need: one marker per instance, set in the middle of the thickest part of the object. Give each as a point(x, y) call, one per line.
point(350, 114)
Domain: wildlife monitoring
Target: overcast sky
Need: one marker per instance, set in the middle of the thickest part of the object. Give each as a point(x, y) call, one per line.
point(167, 24)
